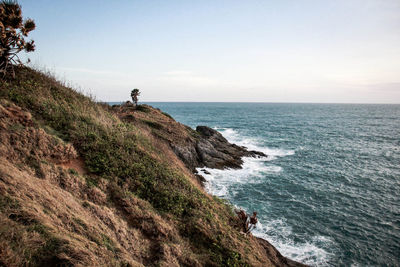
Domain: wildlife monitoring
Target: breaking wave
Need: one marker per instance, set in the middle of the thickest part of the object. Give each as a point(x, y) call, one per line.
point(252, 143)
point(226, 184)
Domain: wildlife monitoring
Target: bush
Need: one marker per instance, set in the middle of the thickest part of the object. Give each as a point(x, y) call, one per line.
point(153, 124)
point(142, 108)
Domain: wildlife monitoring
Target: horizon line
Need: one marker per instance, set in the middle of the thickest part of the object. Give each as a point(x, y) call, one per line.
point(261, 102)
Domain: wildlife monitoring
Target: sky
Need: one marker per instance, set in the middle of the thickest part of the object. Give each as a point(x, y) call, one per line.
point(342, 51)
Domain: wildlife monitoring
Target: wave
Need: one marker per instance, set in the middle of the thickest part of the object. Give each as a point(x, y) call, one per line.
point(253, 171)
point(253, 143)
point(226, 183)
point(313, 252)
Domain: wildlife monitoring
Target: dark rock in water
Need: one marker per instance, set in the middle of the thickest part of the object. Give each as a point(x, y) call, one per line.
point(205, 171)
point(210, 149)
point(216, 152)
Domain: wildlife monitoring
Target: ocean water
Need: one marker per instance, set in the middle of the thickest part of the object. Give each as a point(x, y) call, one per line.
point(329, 192)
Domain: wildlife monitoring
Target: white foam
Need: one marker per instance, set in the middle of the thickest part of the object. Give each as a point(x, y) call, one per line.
point(253, 171)
point(253, 143)
point(279, 234)
point(221, 183)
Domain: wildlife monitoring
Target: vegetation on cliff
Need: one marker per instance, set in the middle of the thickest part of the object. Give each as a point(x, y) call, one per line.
point(85, 183)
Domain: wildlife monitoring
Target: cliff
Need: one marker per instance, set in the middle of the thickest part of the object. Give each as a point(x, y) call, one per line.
point(83, 183)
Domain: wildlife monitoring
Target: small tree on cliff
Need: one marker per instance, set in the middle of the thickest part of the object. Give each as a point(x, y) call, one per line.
point(12, 32)
point(134, 94)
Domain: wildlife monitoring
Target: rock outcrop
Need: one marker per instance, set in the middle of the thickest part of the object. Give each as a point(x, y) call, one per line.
point(203, 147)
point(210, 149)
point(275, 256)
point(87, 184)
point(214, 151)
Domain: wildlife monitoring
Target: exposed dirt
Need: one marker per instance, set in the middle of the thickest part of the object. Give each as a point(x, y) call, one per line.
point(77, 164)
point(53, 213)
point(50, 196)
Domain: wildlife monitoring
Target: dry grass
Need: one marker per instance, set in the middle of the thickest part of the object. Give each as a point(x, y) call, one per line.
point(89, 235)
point(81, 186)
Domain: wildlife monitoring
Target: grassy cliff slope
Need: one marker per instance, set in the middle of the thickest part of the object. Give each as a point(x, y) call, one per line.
point(82, 183)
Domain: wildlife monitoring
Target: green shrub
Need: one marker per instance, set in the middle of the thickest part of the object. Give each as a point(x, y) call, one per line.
point(153, 124)
point(73, 172)
point(166, 114)
point(143, 108)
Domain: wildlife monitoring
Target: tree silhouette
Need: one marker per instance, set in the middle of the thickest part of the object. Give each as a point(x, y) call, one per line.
point(12, 32)
point(134, 94)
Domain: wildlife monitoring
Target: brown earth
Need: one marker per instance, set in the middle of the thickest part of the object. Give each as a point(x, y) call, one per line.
point(57, 209)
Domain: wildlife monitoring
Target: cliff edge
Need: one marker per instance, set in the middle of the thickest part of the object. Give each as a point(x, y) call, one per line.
point(83, 183)
point(203, 147)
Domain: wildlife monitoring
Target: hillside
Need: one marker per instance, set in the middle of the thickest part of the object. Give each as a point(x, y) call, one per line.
point(83, 183)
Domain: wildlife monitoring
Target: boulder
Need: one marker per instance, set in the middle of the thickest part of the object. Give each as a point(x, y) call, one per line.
point(210, 149)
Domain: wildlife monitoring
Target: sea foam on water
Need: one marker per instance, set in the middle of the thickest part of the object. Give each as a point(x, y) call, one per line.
point(223, 183)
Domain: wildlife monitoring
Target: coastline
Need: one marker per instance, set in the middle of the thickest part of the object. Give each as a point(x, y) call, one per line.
point(102, 185)
point(209, 149)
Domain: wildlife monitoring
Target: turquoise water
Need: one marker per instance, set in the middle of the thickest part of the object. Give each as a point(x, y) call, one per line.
point(329, 194)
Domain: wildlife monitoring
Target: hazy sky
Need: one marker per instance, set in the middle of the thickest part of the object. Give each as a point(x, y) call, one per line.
point(264, 51)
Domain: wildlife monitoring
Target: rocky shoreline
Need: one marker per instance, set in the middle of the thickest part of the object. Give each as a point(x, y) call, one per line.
point(202, 147)
point(120, 190)
point(210, 149)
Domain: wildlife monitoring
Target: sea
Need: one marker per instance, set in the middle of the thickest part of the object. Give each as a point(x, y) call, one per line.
point(328, 194)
